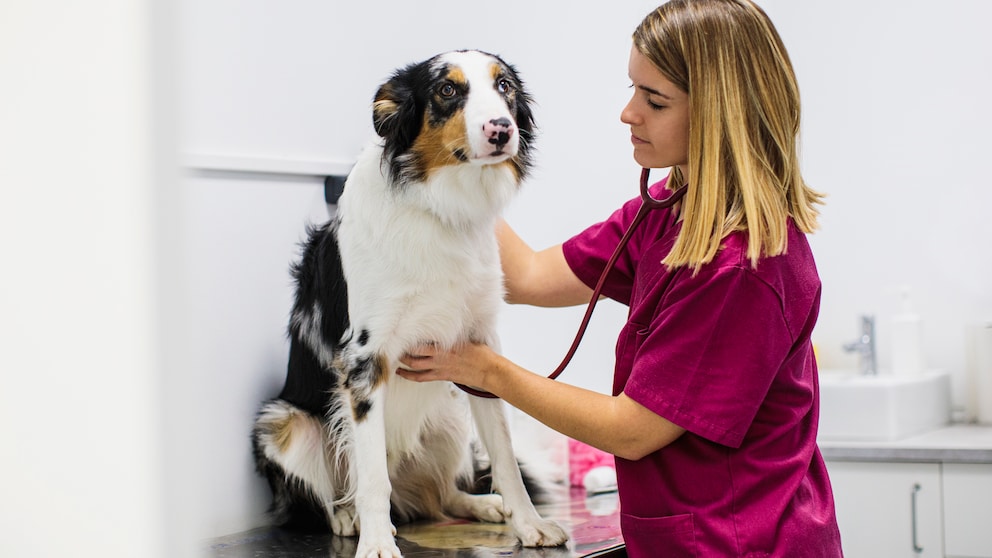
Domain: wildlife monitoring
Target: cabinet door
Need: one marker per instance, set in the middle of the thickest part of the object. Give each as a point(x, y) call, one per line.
point(888, 510)
point(968, 510)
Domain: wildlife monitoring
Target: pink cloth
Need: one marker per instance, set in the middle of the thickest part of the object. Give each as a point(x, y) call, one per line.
point(725, 354)
point(583, 458)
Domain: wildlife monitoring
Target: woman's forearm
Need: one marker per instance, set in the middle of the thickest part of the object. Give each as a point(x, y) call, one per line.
point(618, 425)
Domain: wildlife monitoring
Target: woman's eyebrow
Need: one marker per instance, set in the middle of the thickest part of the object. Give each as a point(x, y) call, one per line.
point(653, 92)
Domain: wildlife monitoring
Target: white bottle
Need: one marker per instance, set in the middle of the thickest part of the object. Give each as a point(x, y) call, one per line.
point(907, 339)
point(979, 377)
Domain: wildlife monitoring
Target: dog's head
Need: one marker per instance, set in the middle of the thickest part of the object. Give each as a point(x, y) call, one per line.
point(458, 108)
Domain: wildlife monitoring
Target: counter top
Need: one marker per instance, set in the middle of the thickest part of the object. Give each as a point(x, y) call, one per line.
point(593, 525)
point(958, 443)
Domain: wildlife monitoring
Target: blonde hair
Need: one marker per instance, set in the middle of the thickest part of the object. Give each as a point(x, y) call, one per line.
point(743, 126)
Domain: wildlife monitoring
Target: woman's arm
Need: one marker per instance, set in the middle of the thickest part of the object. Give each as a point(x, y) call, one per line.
point(618, 425)
point(537, 278)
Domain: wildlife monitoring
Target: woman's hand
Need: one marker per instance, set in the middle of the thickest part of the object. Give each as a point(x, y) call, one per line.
point(465, 364)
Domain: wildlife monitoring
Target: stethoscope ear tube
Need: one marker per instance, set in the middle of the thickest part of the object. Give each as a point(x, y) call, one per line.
point(647, 203)
point(646, 198)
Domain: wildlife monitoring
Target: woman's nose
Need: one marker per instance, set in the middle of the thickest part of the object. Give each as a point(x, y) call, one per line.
point(628, 115)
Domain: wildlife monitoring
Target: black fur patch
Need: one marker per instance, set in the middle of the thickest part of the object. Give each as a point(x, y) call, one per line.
point(361, 410)
point(361, 381)
point(319, 284)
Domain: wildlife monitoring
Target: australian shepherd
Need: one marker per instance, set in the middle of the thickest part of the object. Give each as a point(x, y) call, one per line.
point(409, 257)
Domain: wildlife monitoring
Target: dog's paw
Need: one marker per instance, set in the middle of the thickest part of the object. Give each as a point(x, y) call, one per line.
point(539, 532)
point(377, 547)
point(487, 507)
point(344, 523)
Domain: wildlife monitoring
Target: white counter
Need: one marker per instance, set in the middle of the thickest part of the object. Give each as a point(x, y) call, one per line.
point(958, 443)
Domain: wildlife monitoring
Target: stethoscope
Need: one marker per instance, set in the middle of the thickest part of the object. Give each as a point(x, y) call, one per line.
point(648, 202)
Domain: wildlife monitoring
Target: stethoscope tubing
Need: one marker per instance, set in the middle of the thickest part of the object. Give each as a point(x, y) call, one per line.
point(647, 203)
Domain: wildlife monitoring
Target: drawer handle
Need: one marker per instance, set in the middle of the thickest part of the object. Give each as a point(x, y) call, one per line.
point(916, 541)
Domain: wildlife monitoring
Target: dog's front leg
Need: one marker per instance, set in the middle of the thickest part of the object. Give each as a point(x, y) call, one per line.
point(366, 385)
point(528, 525)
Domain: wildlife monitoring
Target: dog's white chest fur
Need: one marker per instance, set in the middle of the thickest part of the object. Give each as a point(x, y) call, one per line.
point(432, 274)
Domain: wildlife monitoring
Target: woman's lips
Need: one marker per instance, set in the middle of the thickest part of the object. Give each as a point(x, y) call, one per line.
point(636, 140)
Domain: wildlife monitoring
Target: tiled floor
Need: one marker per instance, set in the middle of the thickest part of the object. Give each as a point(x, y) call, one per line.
point(593, 524)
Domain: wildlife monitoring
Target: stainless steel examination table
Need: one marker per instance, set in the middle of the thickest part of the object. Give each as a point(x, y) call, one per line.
point(593, 524)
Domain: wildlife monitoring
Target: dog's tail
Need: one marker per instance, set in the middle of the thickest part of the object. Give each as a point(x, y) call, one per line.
point(292, 509)
point(293, 506)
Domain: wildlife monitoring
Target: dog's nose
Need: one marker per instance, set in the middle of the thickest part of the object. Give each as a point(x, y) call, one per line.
point(499, 131)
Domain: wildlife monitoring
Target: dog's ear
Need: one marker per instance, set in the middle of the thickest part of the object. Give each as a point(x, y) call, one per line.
point(384, 109)
point(397, 108)
point(523, 113)
point(524, 116)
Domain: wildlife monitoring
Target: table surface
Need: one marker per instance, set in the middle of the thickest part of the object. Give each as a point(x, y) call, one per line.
point(593, 524)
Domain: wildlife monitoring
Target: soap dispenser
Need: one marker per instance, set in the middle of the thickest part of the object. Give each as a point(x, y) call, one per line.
point(907, 339)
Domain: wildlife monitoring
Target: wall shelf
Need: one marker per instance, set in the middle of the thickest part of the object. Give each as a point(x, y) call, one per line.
point(264, 165)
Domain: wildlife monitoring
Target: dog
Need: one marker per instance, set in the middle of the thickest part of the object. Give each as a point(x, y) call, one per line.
point(409, 257)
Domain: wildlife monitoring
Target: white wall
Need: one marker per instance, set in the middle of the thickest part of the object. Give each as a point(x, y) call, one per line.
point(896, 123)
point(82, 169)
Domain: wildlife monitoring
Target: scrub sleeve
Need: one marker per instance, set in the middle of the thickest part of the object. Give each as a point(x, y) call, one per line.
point(726, 354)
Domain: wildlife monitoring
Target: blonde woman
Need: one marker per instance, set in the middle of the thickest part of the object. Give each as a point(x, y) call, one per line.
point(714, 415)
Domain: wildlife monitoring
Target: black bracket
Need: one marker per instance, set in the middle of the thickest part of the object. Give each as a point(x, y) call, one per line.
point(333, 188)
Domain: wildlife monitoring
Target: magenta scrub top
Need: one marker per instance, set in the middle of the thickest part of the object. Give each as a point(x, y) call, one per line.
point(726, 355)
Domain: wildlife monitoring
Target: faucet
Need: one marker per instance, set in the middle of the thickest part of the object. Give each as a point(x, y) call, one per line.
point(865, 347)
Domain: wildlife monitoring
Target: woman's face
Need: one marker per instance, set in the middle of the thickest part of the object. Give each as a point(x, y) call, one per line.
point(658, 116)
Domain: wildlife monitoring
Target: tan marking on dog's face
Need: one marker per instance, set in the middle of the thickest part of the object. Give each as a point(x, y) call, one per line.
point(456, 75)
point(495, 71)
point(443, 144)
point(436, 146)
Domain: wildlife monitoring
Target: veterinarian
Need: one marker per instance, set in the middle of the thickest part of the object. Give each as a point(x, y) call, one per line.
point(714, 418)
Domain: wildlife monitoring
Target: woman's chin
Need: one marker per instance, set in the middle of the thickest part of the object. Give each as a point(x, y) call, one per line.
point(648, 162)
point(643, 159)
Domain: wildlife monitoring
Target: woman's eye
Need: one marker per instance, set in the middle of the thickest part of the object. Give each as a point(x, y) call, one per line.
point(447, 90)
point(655, 106)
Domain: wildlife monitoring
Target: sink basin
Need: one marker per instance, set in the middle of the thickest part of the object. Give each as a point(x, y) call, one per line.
point(884, 407)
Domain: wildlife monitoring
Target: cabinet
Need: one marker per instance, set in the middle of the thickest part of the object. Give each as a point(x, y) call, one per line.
point(967, 510)
point(888, 510)
point(895, 510)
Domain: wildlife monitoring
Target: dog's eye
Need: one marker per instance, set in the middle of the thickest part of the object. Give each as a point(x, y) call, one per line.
point(447, 91)
point(503, 86)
